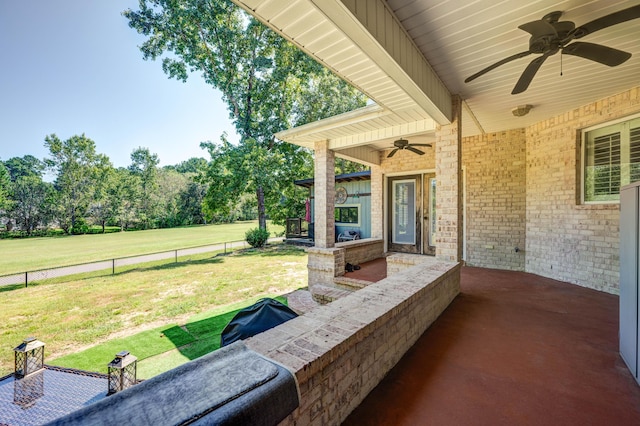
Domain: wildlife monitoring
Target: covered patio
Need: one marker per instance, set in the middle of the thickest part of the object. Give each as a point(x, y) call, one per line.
point(505, 177)
point(512, 348)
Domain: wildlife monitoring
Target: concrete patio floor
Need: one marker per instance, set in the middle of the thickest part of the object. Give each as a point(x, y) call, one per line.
point(512, 349)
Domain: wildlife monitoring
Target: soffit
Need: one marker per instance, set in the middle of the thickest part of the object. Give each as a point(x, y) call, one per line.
point(304, 24)
point(362, 133)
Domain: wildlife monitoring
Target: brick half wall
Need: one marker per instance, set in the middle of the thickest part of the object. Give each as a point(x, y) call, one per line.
point(339, 352)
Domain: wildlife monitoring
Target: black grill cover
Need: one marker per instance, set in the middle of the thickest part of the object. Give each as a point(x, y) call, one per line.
point(264, 314)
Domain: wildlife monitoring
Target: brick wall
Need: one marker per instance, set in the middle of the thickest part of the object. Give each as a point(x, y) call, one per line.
point(566, 240)
point(339, 352)
point(449, 236)
point(495, 199)
point(407, 161)
point(360, 251)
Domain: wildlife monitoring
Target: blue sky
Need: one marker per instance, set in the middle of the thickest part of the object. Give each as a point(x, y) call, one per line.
point(73, 66)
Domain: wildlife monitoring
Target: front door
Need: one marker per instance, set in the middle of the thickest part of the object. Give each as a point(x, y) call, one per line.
point(405, 214)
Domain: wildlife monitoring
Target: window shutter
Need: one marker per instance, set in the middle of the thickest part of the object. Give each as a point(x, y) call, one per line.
point(606, 161)
point(634, 154)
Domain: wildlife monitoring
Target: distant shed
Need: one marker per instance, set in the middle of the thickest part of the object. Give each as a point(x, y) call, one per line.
point(353, 202)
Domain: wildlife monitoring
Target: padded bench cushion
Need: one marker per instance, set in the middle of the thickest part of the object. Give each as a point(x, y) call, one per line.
point(232, 385)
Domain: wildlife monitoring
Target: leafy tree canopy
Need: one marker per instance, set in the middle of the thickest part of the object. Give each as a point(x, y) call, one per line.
point(268, 84)
point(76, 165)
point(24, 166)
point(192, 165)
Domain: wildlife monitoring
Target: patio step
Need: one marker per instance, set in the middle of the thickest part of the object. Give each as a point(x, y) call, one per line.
point(351, 284)
point(301, 301)
point(324, 294)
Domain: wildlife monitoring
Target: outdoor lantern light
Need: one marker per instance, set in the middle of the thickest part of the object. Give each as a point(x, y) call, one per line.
point(29, 357)
point(122, 372)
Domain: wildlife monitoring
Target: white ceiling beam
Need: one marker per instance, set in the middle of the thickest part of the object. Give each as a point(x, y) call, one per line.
point(375, 29)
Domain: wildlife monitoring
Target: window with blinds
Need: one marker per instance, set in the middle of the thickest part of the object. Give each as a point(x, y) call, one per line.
point(612, 159)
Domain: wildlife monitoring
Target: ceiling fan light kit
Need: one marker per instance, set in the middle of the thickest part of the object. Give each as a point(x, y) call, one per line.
point(521, 110)
point(549, 36)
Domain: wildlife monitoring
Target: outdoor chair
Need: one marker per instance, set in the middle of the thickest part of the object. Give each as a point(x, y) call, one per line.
point(348, 235)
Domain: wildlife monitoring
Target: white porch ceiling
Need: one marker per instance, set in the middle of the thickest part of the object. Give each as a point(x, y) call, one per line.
point(459, 38)
point(373, 45)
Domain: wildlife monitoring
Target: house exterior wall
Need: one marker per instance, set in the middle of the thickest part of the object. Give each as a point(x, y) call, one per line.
point(566, 240)
point(523, 189)
point(495, 185)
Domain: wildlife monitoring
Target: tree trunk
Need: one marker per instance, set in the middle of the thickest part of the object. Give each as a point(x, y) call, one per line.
point(262, 219)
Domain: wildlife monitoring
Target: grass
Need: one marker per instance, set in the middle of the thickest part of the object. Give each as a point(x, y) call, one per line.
point(29, 254)
point(162, 348)
point(72, 316)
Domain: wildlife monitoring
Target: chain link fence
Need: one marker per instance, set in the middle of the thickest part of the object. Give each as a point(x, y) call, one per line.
point(111, 266)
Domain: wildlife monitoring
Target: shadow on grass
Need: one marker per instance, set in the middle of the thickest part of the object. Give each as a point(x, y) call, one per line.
point(279, 250)
point(160, 349)
point(173, 265)
point(11, 287)
point(207, 333)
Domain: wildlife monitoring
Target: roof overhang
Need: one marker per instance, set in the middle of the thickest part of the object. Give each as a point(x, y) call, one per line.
point(363, 43)
point(361, 134)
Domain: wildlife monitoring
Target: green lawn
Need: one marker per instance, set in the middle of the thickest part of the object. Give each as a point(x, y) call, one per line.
point(30, 254)
point(162, 348)
point(75, 315)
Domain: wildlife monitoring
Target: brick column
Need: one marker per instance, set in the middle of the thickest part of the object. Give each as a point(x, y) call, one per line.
point(324, 196)
point(377, 205)
point(449, 187)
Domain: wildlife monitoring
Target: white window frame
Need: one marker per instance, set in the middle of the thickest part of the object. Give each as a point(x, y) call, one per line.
point(583, 160)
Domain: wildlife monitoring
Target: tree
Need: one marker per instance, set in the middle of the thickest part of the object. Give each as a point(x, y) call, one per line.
point(144, 167)
point(24, 166)
point(192, 165)
point(171, 185)
point(190, 203)
point(76, 164)
point(260, 76)
point(33, 203)
point(122, 196)
point(100, 208)
point(5, 183)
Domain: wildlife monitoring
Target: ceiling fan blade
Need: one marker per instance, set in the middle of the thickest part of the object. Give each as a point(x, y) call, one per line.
point(528, 74)
point(497, 64)
point(539, 28)
point(597, 52)
point(606, 21)
point(421, 144)
point(417, 151)
point(392, 153)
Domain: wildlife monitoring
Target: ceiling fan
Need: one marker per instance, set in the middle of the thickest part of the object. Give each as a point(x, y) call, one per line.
point(549, 35)
point(404, 144)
